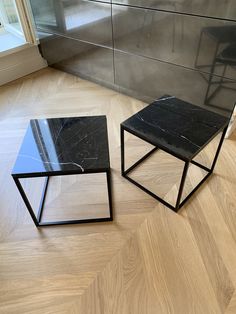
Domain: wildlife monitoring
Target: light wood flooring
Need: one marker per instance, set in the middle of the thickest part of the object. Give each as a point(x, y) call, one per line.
point(150, 260)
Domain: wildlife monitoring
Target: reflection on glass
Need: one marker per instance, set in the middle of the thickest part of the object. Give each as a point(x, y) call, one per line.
point(44, 12)
point(67, 15)
point(89, 21)
point(79, 58)
point(221, 63)
point(83, 14)
point(226, 59)
point(213, 8)
point(175, 53)
point(10, 11)
point(151, 79)
point(11, 31)
point(10, 14)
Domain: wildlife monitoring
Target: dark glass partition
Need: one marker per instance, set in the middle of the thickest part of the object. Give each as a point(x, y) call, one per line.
point(185, 48)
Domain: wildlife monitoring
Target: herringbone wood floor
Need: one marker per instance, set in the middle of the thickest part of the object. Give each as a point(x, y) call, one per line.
point(149, 260)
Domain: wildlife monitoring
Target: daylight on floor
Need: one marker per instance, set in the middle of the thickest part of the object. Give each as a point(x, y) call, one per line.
point(117, 156)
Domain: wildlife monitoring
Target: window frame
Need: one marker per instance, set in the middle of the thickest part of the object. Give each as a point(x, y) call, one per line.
point(25, 18)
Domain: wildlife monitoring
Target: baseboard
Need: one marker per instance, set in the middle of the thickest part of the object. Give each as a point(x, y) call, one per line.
point(20, 63)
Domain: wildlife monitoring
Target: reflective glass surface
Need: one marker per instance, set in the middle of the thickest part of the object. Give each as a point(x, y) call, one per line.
point(185, 40)
point(89, 21)
point(63, 145)
point(215, 8)
point(147, 48)
point(85, 60)
point(150, 79)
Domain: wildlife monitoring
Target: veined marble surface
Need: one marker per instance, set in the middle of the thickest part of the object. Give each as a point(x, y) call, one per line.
point(176, 126)
point(59, 145)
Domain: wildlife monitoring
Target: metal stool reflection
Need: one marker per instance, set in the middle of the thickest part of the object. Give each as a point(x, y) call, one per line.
point(226, 58)
point(222, 35)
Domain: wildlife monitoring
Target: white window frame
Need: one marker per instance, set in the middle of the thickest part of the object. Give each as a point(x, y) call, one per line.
point(26, 20)
point(24, 15)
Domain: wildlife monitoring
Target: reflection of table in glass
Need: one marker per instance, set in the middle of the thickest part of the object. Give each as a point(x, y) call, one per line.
point(59, 147)
point(178, 128)
point(221, 35)
point(226, 58)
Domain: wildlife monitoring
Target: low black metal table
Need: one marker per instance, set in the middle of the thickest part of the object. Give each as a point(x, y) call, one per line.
point(178, 128)
point(59, 147)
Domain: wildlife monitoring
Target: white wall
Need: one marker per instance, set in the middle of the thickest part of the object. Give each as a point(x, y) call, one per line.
point(20, 63)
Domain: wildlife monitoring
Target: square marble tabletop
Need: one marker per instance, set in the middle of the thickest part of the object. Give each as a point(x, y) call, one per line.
point(63, 145)
point(178, 127)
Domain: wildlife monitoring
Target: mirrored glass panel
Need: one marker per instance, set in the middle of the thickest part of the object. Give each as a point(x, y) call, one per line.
point(149, 79)
point(88, 61)
point(89, 21)
point(190, 41)
point(216, 8)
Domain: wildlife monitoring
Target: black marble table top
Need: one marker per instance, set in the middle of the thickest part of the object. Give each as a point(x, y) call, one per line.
point(178, 127)
point(63, 145)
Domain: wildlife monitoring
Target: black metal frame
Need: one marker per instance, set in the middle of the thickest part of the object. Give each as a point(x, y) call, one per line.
point(37, 219)
point(178, 204)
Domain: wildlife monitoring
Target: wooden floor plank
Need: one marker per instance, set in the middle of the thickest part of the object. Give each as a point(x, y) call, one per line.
point(149, 259)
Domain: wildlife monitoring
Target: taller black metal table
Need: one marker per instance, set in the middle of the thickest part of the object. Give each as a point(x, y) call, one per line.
point(178, 128)
point(59, 147)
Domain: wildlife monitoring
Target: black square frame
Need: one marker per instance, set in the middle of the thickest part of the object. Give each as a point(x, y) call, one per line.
point(38, 219)
point(178, 204)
